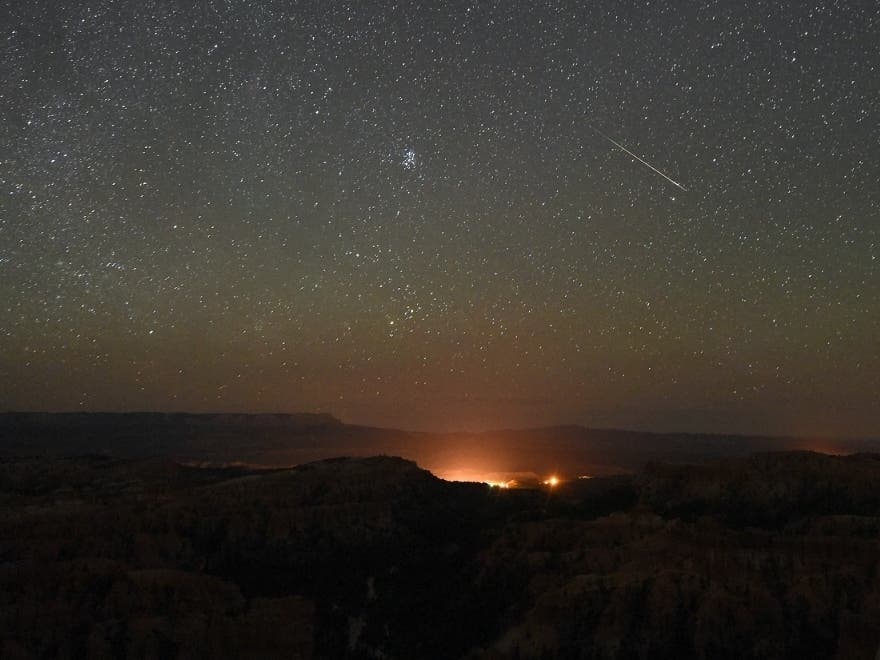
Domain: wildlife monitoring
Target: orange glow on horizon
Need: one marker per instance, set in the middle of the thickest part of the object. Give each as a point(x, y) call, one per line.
point(500, 484)
point(497, 479)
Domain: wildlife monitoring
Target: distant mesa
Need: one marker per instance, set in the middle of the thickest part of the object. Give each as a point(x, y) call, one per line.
point(284, 440)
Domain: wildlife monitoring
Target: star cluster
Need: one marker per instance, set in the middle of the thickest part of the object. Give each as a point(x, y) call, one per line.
point(406, 212)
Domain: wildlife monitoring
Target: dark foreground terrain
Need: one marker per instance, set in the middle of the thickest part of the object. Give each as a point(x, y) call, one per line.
point(773, 556)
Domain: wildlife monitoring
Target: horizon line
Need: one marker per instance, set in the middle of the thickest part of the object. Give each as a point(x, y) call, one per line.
point(557, 425)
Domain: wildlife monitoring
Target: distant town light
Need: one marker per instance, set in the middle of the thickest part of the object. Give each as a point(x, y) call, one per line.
point(552, 481)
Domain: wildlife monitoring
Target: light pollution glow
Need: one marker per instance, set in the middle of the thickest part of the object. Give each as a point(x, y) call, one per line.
point(498, 479)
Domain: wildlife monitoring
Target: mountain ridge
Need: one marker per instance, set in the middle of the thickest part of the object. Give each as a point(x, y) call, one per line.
point(282, 440)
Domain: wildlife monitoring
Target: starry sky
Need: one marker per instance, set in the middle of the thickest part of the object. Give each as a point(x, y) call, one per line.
point(414, 214)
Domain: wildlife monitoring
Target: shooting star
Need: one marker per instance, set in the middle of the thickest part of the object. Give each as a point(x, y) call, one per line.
point(641, 160)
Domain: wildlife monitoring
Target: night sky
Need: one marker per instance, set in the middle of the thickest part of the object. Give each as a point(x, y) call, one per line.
point(414, 214)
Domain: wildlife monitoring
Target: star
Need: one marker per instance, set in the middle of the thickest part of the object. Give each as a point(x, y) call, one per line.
point(409, 160)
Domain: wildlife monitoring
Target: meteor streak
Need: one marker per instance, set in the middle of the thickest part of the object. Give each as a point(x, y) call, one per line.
point(641, 160)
